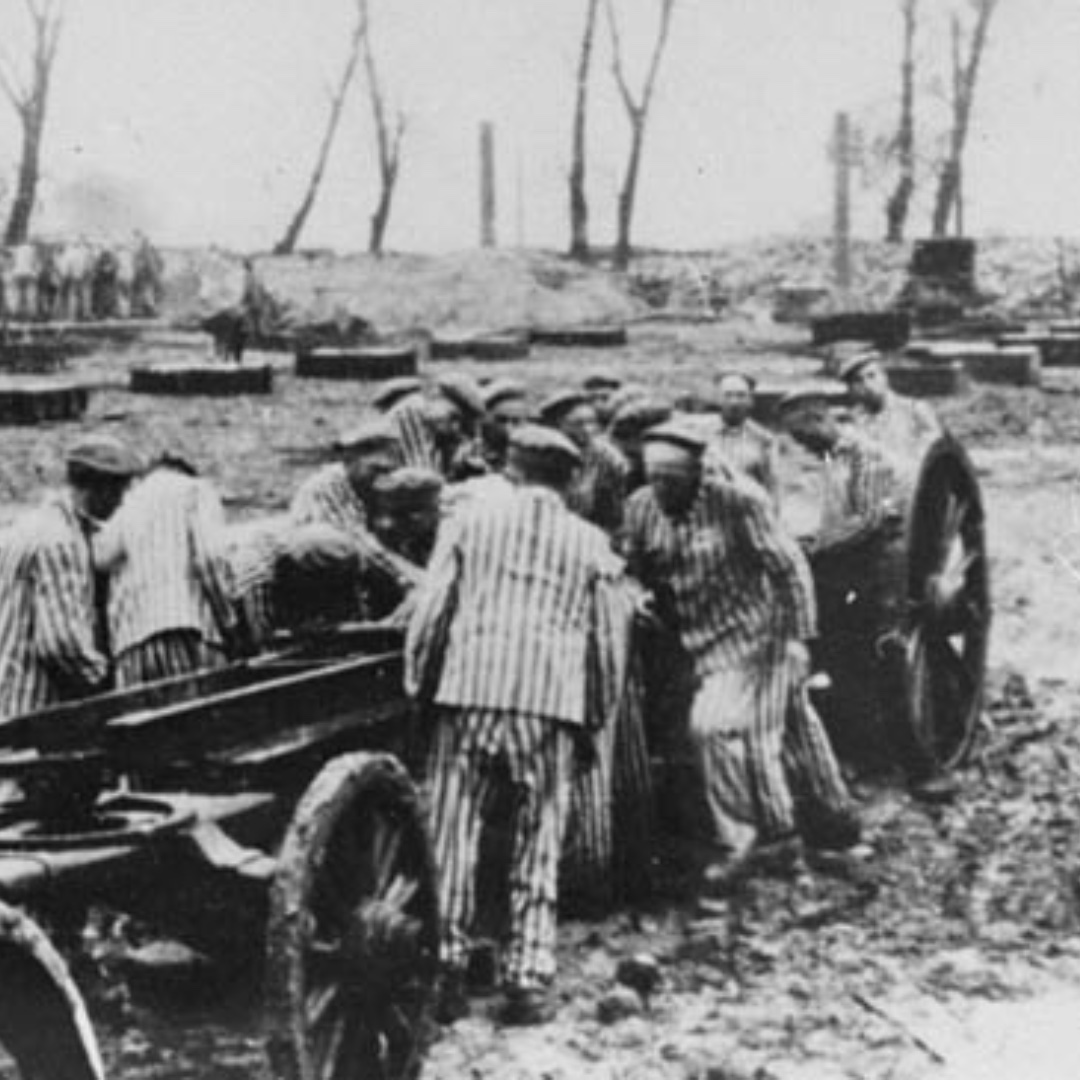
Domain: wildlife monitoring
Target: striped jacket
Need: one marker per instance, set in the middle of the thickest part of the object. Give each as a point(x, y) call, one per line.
point(861, 485)
point(512, 616)
point(329, 498)
point(48, 650)
point(417, 443)
point(164, 553)
point(729, 573)
point(599, 491)
point(252, 551)
point(751, 449)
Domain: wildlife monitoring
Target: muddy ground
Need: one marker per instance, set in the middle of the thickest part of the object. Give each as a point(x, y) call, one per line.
point(955, 955)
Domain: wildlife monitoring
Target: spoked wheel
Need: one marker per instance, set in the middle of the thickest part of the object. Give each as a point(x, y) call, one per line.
point(352, 939)
point(44, 1029)
point(948, 588)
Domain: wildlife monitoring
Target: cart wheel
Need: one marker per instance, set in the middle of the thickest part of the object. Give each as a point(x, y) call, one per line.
point(44, 1028)
point(948, 624)
point(353, 933)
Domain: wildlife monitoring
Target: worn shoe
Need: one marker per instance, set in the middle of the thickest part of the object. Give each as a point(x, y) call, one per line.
point(831, 830)
point(521, 1007)
point(452, 999)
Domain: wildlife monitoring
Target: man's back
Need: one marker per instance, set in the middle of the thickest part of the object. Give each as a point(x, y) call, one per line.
point(523, 572)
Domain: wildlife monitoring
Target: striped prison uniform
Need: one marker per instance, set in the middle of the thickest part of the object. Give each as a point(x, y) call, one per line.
point(417, 442)
point(329, 498)
point(607, 849)
point(903, 428)
point(51, 649)
point(599, 490)
point(169, 595)
point(252, 551)
point(741, 591)
point(749, 449)
point(505, 639)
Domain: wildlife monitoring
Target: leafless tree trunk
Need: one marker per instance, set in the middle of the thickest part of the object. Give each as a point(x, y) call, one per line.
point(579, 206)
point(949, 195)
point(896, 209)
point(388, 136)
point(287, 244)
point(29, 97)
point(637, 112)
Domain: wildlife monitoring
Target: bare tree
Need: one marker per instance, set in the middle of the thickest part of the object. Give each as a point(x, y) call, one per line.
point(287, 244)
point(637, 112)
point(28, 95)
point(899, 203)
point(579, 206)
point(388, 136)
point(948, 198)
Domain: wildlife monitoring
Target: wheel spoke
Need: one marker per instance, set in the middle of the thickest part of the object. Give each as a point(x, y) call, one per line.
point(386, 852)
point(330, 1052)
point(322, 1003)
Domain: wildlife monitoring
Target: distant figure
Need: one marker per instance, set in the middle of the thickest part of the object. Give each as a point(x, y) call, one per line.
point(229, 331)
point(148, 280)
point(24, 277)
point(48, 282)
point(741, 444)
point(74, 265)
point(103, 300)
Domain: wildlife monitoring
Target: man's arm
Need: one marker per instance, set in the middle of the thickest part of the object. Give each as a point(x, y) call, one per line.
point(63, 620)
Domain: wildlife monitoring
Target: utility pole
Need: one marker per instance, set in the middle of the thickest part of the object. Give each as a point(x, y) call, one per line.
point(487, 184)
point(842, 208)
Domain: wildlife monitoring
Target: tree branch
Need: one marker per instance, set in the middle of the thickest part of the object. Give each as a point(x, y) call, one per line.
point(667, 6)
point(617, 68)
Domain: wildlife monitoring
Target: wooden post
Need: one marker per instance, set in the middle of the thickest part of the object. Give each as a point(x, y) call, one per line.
point(842, 210)
point(487, 184)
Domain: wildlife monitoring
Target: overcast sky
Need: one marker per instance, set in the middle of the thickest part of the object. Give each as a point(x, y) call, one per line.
point(199, 119)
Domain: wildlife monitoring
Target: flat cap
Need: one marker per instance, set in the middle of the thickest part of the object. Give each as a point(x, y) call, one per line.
point(797, 400)
point(624, 395)
point(636, 417)
point(679, 434)
point(463, 391)
point(601, 380)
point(104, 454)
point(750, 381)
point(554, 408)
point(393, 390)
point(854, 364)
point(318, 548)
point(410, 487)
point(537, 441)
point(500, 390)
point(369, 435)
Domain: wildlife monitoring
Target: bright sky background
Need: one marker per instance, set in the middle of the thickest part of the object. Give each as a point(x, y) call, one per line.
point(199, 119)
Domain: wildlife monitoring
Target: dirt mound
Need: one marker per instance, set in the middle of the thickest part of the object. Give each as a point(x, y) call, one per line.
point(475, 289)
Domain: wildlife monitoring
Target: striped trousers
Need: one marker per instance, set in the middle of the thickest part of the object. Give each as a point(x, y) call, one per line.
point(607, 850)
point(759, 743)
point(166, 656)
point(476, 757)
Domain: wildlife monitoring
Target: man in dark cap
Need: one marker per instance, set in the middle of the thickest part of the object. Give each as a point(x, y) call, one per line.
point(599, 490)
point(600, 386)
point(53, 638)
point(628, 426)
point(291, 577)
point(741, 443)
point(506, 402)
point(902, 427)
point(343, 495)
point(394, 391)
point(501, 643)
point(740, 595)
point(432, 430)
point(408, 508)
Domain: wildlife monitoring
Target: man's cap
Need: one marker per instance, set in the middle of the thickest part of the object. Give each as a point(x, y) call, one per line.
point(803, 400)
point(555, 407)
point(626, 393)
point(500, 390)
point(393, 390)
point(596, 381)
point(680, 434)
point(636, 417)
point(105, 455)
point(854, 364)
point(750, 381)
point(318, 548)
point(409, 488)
point(543, 443)
point(369, 435)
point(463, 391)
